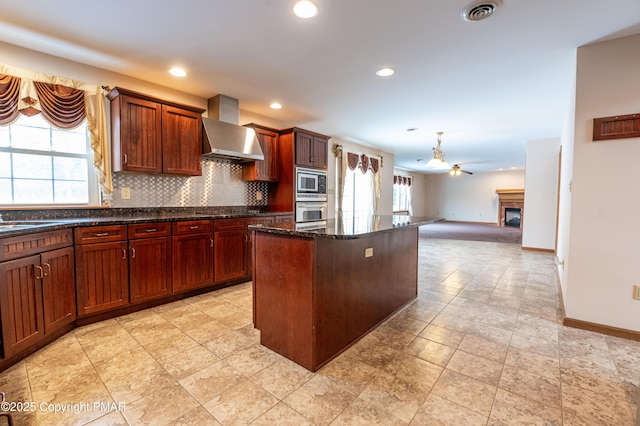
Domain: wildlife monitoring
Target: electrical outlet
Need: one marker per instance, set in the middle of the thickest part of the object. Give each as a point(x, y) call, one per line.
point(368, 252)
point(636, 292)
point(259, 195)
point(125, 193)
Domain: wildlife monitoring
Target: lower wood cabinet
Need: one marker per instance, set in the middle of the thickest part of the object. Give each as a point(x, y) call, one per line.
point(149, 268)
point(231, 249)
point(37, 292)
point(102, 268)
point(192, 246)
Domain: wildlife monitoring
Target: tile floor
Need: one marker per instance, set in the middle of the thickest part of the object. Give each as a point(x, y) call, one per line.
point(482, 345)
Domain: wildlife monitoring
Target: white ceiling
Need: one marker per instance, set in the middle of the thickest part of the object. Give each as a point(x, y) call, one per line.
point(489, 86)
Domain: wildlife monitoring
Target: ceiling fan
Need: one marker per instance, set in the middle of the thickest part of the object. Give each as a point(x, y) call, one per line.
point(457, 171)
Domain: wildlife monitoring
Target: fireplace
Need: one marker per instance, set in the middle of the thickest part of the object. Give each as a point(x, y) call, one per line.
point(512, 216)
point(510, 207)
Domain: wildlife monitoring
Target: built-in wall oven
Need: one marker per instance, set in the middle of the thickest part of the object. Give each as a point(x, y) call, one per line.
point(311, 195)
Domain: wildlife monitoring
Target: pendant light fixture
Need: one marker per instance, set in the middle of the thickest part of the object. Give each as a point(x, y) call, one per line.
point(437, 162)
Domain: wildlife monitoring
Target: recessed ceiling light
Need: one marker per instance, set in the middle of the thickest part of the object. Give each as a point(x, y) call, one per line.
point(275, 105)
point(513, 168)
point(178, 72)
point(305, 9)
point(385, 72)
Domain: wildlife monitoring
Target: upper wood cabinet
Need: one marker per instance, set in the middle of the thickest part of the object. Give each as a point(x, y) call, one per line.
point(266, 170)
point(150, 135)
point(311, 149)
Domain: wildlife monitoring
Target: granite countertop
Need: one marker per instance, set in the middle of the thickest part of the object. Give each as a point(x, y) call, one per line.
point(17, 223)
point(347, 228)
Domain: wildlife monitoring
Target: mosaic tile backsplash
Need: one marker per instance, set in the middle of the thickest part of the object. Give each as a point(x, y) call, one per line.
point(221, 184)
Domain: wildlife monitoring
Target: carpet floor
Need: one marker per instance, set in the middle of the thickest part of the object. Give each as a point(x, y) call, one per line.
point(471, 231)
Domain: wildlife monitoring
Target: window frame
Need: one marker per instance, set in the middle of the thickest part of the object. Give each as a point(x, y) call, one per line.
point(93, 186)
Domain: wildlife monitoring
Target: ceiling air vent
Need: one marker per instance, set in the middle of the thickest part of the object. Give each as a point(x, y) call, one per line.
point(479, 10)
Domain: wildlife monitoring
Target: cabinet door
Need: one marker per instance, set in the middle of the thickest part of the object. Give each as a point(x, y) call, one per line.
point(140, 135)
point(230, 255)
point(319, 156)
point(58, 288)
point(266, 170)
point(192, 261)
point(102, 276)
point(304, 149)
point(181, 141)
point(21, 304)
point(149, 268)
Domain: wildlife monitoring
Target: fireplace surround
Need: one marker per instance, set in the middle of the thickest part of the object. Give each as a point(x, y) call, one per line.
point(510, 199)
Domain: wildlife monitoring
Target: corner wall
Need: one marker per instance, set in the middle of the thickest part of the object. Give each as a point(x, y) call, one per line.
point(602, 265)
point(541, 194)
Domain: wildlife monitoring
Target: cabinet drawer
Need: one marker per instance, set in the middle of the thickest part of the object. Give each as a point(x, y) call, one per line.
point(262, 220)
point(26, 245)
point(192, 227)
point(284, 219)
point(100, 234)
point(149, 230)
point(229, 224)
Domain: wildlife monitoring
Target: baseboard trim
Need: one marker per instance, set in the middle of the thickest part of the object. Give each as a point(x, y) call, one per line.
point(474, 223)
point(542, 250)
point(600, 328)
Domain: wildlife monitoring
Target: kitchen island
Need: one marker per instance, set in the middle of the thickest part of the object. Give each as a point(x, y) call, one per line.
point(318, 290)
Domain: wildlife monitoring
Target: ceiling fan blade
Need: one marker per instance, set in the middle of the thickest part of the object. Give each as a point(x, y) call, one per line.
point(464, 171)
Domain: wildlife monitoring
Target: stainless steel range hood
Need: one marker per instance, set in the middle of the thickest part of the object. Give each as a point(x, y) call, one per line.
point(222, 137)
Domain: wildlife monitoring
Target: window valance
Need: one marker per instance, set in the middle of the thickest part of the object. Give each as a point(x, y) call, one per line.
point(63, 102)
point(402, 180)
point(363, 162)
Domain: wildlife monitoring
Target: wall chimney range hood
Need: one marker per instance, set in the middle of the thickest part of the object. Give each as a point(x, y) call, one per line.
point(222, 137)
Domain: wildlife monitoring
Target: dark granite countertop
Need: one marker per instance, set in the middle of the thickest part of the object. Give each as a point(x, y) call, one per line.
point(347, 228)
point(19, 222)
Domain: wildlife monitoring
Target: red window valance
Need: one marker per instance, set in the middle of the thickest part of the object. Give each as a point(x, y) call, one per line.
point(62, 106)
point(402, 180)
point(363, 162)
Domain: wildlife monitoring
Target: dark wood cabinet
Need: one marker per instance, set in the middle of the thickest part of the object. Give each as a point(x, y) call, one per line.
point(284, 218)
point(102, 268)
point(181, 141)
point(21, 304)
point(192, 248)
point(231, 249)
point(266, 170)
point(311, 149)
point(58, 288)
point(154, 136)
point(149, 261)
point(37, 294)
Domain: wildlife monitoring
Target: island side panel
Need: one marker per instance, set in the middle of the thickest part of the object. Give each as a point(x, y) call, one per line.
point(283, 295)
point(355, 293)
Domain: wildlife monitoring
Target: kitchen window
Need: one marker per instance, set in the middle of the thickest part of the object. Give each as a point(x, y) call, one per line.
point(43, 165)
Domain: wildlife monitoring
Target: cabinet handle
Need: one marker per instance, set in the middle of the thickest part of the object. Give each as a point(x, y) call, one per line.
point(133, 253)
point(194, 227)
point(125, 158)
point(124, 254)
point(150, 230)
point(48, 271)
point(211, 242)
point(246, 238)
point(102, 234)
point(39, 268)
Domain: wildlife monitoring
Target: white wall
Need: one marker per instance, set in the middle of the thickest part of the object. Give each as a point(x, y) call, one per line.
point(602, 265)
point(541, 194)
point(469, 198)
point(386, 197)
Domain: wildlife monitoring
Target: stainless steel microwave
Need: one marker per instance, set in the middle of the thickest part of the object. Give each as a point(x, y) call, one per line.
point(311, 184)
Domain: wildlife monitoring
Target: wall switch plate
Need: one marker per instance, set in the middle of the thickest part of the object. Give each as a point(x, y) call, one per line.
point(125, 193)
point(368, 252)
point(636, 292)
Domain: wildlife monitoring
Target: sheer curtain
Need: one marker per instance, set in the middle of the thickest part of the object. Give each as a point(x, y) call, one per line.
point(64, 103)
point(361, 188)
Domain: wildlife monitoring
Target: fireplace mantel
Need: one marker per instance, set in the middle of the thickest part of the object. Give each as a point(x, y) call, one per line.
point(513, 198)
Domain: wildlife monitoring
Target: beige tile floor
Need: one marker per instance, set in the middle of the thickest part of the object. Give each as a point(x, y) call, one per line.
point(482, 345)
